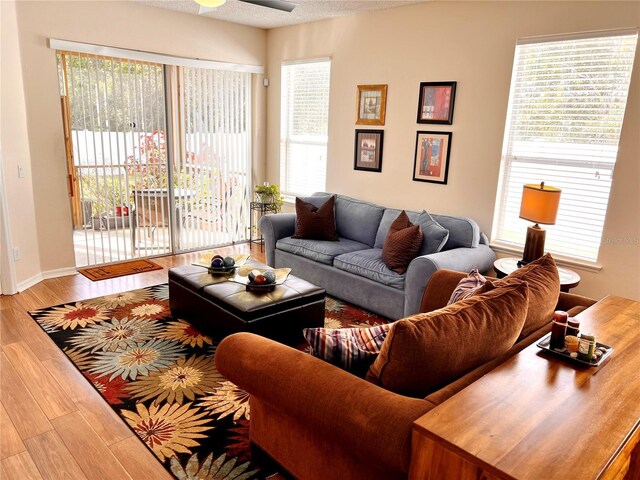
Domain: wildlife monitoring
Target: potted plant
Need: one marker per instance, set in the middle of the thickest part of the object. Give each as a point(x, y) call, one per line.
point(270, 194)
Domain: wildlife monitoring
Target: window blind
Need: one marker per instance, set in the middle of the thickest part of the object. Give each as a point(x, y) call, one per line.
point(215, 167)
point(304, 126)
point(566, 107)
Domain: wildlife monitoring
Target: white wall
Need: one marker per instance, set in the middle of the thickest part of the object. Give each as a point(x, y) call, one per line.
point(114, 23)
point(15, 150)
point(472, 43)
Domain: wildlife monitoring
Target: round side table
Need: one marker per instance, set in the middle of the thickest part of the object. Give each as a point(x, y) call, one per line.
point(568, 278)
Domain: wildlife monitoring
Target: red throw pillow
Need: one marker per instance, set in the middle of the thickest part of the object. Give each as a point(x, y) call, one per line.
point(318, 223)
point(402, 244)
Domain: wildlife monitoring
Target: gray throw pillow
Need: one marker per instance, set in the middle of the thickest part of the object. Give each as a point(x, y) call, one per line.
point(435, 235)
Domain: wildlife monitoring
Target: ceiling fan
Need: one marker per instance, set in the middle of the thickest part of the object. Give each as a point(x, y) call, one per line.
point(210, 5)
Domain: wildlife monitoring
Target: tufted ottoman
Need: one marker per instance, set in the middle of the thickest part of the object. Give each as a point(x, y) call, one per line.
point(216, 306)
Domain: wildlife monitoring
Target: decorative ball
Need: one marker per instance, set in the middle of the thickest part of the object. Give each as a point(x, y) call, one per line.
point(218, 256)
point(270, 276)
point(253, 274)
point(260, 280)
point(229, 262)
point(217, 263)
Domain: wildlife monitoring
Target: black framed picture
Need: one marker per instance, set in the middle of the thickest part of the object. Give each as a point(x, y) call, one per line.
point(435, 102)
point(431, 161)
point(368, 150)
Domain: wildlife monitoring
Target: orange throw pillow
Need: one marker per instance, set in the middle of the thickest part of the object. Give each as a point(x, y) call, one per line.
point(318, 223)
point(428, 351)
point(544, 290)
point(402, 244)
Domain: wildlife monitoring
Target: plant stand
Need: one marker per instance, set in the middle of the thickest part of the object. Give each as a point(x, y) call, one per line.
point(258, 209)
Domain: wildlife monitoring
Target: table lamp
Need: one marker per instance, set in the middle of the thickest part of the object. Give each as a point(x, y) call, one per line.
point(539, 205)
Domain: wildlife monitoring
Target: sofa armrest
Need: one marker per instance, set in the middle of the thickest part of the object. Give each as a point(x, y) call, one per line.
point(273, 228)
point(459, 259)
point(439, 289)
point(573, 304)
point(367, 420)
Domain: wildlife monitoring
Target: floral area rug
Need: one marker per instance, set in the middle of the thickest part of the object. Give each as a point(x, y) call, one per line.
point(157, 372)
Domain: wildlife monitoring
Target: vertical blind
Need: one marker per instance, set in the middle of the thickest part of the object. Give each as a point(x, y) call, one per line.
point(117, 121)
point(304, 126)
point(142, 185)
point(566, 107)
point(213, 188)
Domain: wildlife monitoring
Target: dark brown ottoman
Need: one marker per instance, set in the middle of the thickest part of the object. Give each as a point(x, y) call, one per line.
point(216, 306)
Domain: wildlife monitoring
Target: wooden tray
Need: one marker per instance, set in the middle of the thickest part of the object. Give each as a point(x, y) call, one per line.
point(544, 345)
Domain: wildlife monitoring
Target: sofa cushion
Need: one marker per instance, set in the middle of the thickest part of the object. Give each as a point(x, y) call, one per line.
point(423, 353)
point(323, 251)
point(369, 264)
point(352, 349)
point(356, 219)
point(468, 286)
point(544, 290)
point(314, 222)
point(402, 244)
point(463, 232)
point(435, 236)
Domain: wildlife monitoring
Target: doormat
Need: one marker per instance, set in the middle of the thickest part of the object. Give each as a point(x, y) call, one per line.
point(119, 269)
point(157, 372)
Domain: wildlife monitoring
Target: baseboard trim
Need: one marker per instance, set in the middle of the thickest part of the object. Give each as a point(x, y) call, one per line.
point(29, 282)
point(38, 277)
point(59, 272)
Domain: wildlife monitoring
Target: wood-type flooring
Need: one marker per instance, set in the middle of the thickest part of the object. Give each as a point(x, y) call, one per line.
point(53, 423)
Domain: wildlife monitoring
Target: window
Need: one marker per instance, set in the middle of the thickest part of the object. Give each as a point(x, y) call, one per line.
point(566, 107)
point(303, 126)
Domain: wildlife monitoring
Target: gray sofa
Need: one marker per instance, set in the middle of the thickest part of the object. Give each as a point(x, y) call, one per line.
point(352, 268)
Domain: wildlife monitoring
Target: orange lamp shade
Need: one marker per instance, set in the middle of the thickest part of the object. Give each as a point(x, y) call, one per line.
point(540, 203)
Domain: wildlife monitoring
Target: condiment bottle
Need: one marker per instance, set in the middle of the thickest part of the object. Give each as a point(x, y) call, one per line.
point(573, 326)
point(558, 330)
point(586, 346)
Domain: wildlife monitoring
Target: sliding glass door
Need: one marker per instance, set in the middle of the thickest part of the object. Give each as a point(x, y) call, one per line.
point(140, 186)
point(215, 162)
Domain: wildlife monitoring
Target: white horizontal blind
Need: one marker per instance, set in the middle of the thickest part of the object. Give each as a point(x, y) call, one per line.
point(304, 126)
point(566, 108)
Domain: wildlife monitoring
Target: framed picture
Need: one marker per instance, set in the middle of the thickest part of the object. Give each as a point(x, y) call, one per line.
point(431, 162)
point(368, 150)
point(371, 105)
point(435, 102)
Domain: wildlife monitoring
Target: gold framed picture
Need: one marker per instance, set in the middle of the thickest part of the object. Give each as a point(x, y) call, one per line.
point(371, 104)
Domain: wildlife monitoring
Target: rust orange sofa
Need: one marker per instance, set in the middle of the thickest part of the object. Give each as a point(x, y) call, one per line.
point(318, 421)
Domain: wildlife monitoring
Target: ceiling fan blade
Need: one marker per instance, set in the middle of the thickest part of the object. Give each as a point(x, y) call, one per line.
point(277, 4)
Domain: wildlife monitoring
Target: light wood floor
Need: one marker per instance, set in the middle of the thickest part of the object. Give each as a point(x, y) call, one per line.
point(53, 423)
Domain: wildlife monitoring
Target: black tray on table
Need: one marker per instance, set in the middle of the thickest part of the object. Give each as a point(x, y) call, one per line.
point(260, 288)
point(564, 353)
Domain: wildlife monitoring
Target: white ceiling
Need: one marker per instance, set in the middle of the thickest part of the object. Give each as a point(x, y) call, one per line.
point(307, 10)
